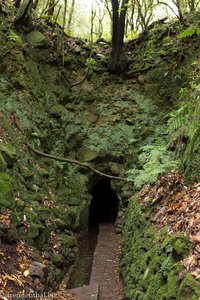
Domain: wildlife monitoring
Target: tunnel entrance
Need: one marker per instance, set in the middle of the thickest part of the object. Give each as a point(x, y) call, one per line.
point(105, 203)
point(103, 209)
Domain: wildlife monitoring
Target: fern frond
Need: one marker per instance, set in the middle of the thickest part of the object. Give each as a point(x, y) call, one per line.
point(189, 32)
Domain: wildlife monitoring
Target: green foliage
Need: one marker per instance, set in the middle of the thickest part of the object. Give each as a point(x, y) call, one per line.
point(154, 160)
point(184, 122)
point(91, 64)
point(189, 32)
point(13, 36)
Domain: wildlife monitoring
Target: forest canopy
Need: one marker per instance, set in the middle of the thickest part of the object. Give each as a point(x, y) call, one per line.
point(92, 19)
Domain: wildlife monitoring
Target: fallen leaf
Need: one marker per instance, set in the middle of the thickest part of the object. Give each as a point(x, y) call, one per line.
point(196, 238)
point(26, 273)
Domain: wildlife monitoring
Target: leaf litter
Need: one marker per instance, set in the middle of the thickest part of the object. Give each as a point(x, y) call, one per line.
point(15, 261)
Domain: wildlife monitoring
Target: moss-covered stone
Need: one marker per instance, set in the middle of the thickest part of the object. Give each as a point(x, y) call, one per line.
point(6, 194)
point(43, 213)
point(36, 39)
point(41, 242)
point(86, 155)
point(189, 289)
point(68, 246)
point(26, 172)
point(178, 245)
point(3, 164)
point(66, 215)
point(57, 260)
point(43, 173)
point(9, 153)
point(58, 110)
point(33, 231)
point(82, 216)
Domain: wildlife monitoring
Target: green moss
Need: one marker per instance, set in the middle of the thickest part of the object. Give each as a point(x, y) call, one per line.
point(57, 260)
point(26, 172)
point(41, 241)
point(8, 152)
point(67, 215)
point(68, 240)
point(189, 289)
point(178, 245)
point(150, 267)
point(6, 194)
point(33, 232)
point(43, 213)
point(81, 216)
point(3, 164)
point(58, 110)
point(43, 172)
point(36, 39)
point(68, 246)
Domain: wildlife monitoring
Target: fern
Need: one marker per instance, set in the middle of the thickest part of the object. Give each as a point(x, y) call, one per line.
point(179, 118)
point(155, 160)
point(189, 32)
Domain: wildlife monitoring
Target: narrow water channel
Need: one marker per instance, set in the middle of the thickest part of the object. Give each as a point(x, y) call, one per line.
point(82, 269)
point(103, 209)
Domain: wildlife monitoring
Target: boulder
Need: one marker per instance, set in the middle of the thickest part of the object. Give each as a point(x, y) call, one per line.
point(86, 155)
point(57, 110)
point(36, 39)
point(9, 153)
point(39, 270)
point(141, 79)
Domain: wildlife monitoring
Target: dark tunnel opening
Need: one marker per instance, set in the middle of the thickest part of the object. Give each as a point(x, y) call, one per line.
point(105, 203)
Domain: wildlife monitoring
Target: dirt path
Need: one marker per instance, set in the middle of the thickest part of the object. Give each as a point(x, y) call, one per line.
point(105, 269)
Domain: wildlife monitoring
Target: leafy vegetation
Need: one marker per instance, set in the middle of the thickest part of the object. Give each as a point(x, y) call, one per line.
point(58, 94)
point(154, 160)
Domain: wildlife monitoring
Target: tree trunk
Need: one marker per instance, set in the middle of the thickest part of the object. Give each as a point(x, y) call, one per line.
point(17, 3)
point(35, 4)
point(23, 17)
point(70, 16)
point(118, 58)
point(179, 6)
point(192, 5)
point(51, 8)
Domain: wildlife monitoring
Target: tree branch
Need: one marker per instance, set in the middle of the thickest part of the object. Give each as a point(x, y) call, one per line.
point(71, 85)
point(160, 2)
point(76, 162)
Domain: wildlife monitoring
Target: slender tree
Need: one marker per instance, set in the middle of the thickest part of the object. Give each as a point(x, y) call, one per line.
point(71, 12)
point(35, 4)
point(51, 7)
point(24, 13)
point(118, 58)
point(17, 3)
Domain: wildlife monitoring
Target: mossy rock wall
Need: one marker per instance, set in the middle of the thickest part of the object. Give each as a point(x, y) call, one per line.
point(150, 262)
point(6, 192)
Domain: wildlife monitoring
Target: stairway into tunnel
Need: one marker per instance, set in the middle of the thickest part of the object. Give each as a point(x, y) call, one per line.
point(103, 209)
